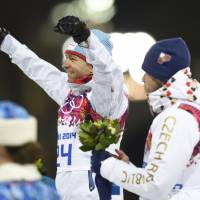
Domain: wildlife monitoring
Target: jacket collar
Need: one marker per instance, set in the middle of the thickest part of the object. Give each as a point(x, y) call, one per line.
point(77, 89)
point(180, 87)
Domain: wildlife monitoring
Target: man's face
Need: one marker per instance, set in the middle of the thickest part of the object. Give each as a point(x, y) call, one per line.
point(76, 67)
point(151, 84)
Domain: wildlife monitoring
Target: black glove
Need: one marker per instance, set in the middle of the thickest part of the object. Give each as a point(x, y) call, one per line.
point(3, 33)
point(72, 26)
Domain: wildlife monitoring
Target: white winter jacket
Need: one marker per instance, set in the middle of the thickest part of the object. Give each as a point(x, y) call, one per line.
point(105, 93)
point(171, 161)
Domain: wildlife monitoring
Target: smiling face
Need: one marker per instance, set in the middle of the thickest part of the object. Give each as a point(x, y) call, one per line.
point(151, 84)
point(76, 68)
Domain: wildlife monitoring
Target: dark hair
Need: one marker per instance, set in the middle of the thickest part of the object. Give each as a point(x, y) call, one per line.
point(25, 154)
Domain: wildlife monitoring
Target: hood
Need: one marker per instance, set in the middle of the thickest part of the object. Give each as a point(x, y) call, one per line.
point(180, 87)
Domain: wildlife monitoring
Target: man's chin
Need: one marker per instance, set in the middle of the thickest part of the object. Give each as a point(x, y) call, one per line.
point(71, 79)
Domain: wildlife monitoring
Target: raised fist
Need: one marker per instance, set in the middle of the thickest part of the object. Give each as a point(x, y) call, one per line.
point(3, 33)
point(72, 26)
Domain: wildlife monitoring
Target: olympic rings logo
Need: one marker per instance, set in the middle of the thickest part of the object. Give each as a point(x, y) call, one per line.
point(72, 104)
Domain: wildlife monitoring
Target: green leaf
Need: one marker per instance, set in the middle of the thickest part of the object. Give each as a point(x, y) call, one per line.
point(86, 148)
point(86, 139)
point(104, 141)
point(86, 127)
point(100, 131)
point(99, 147)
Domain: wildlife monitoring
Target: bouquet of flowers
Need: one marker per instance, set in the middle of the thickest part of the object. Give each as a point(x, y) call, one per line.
point(97, 136)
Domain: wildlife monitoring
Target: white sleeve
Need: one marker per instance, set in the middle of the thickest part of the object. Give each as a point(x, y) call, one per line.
point(107, 97)
point(167, 160)
point(47, 76)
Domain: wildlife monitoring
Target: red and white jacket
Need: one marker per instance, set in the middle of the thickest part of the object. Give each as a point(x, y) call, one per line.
point(103, 96)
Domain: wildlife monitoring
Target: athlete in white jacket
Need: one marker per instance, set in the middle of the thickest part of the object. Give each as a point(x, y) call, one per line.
point(92, 89)
point(171, 162)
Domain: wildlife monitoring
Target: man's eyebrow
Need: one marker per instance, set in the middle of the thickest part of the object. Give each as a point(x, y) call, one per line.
point(74, 57)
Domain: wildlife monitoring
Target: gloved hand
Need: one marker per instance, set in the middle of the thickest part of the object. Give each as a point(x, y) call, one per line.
point(74, 27)
point(104, 186)
point(96, 158)
point(3, 33)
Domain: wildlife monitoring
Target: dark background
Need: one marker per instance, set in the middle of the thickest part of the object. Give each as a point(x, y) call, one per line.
point(25, 20)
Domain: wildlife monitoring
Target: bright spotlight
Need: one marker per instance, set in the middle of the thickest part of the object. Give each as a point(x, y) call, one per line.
point(118, 50)
point(97, 11)
point(98, 5)
point(140, 44)
point(129, 50)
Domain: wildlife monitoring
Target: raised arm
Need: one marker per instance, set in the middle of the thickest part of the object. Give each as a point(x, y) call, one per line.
point(47, 76)
point(107, 96)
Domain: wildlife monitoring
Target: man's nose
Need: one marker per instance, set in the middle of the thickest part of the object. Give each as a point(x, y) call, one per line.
point(66, 64)
point(143, 78)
